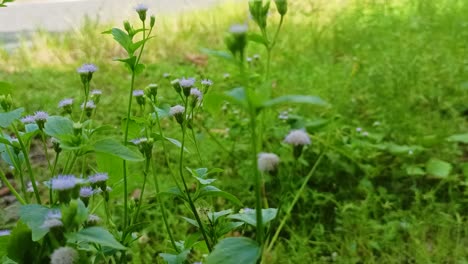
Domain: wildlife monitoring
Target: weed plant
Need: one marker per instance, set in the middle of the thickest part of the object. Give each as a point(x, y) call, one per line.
point(232, 166)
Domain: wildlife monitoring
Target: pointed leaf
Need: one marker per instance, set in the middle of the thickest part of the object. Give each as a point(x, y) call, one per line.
point(9, 117)
point(213, 191)
point(123, 39)
point(438, 168)
point(96, 235)
point(235, 250)
point(113, 147)
point(250, 216)
point(58, 126)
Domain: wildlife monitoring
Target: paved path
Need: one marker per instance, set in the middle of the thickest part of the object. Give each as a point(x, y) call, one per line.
point(25, 16)
point(58, 15)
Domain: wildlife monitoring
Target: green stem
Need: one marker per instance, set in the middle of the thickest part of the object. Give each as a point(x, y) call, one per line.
point(140, 200)
point(166, 156)
point(258, 179)
point(181, 171)
point(86, 88)
point(195, 141)
point(51, 197)
point(11, 188)
point(163, 209)
point(28, 165)
point(127, 121)
point(296, 198)
point(71, 164)
point(46, 152)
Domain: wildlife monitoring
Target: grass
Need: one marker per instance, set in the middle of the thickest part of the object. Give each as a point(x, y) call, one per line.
point(402, 65)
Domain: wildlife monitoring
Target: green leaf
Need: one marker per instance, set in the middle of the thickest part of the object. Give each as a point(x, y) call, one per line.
point(214, 216)
point(176, 143)
point(235, 250)
point(227, 227)
point(123, 39)
point(296, 99)
point(220, 54)
point(209, 190)
point(20, 246)
point(129, 62)
point(175, 259)
point(438, 168)
point(415, 170)
point(201, 175)
point(58, 126)
point(34, 216)
point(237, 96)
point(459, 138)
point(9, 117)
point(191, 221)
point(257, 38)
point(113, 147)
point(174, 191)
point(96, 235)
point(250, 216)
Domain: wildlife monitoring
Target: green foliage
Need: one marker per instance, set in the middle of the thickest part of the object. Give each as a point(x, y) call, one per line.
point(235, 250)
point(114, 148)
point(95, 235)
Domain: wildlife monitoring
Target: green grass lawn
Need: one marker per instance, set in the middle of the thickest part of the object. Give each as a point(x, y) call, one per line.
point(398, 71)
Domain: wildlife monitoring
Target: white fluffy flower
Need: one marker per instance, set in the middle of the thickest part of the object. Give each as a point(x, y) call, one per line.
point(177, 110)
point(64, 255)
point(297, 137)
point(267, 162)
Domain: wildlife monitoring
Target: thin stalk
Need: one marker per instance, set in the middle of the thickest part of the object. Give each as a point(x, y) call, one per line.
point(166, 156)
point(11, 188)
point(181, 171)
point(296, 198)
point(140, 200)
point(21, 176)
point(86, 88)
point(258, 179)
point(125, 220)
point(51, 197)
point(163, 209)
point(46, 152)
point(195, 140)
point(129, 108)
point(28, 165)
point(71, 164)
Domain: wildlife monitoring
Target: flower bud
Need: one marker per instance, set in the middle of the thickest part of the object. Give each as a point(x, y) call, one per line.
point(86, 73)
point(140, 97)
point(152, 21)
point(178, 112)
point(141, 9)
point(237, 40)
point(77, 128)
point(259, 12)
point(127, 27)
point(56, 145)
point(96, 96)
point(175, 83)
point(6, 102)
point(151, 91)
point(282, 6)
